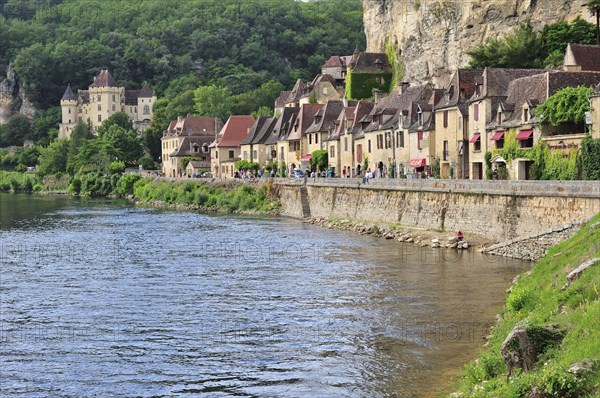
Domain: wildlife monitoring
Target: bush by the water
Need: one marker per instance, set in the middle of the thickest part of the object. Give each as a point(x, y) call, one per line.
point(225, 198)
point(17, 182)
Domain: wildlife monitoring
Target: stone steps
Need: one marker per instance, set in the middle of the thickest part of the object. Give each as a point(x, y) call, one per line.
point(305, 202)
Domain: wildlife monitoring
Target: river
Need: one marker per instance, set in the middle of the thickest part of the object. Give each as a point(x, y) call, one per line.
point(100, 297)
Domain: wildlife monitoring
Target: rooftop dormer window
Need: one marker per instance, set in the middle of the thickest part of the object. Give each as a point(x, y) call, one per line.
point(499, 118)
point(525, 115)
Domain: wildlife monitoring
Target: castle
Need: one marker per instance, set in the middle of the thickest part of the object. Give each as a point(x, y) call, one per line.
point(103, 99)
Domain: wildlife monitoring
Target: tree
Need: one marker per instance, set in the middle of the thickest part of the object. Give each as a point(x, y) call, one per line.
point(116, 119)
point(320, 159)
point(125, 142)
point(213, 101)
point(594, 7)
point(568, 105)
point(53, 158)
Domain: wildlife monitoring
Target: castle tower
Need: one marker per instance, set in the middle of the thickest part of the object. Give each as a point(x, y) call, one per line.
point(68, 104)
point(106, 98)
point(145, 102)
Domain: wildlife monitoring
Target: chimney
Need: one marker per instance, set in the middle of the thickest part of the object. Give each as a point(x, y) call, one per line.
point(179, 119)
point(404, 86)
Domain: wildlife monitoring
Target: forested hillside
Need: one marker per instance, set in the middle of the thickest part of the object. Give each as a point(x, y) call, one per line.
point(230, 43)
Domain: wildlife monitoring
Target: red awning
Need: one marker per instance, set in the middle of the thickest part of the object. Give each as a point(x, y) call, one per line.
point(497, 136)
point(416, 163)
point(475, 138)
point(306, 158)
point(524, 135)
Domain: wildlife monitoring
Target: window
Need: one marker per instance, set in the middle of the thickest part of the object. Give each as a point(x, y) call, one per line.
point(254, 155)
point(316, 138)
point(445, 154)
point(359, 153)
point(399, 139)
point(114, 108)
point(79, 110)
point(324, 90)
point(69, 111)
point(310, 139)
point(499, 118)
point(146, 110)
point(379, 141)
point(231, 154)
point(217, 154)
point(477, 144)
point(419, 139)
point(99, 118)
point(69, 120)
point(476, 112)
point(80, 119)
point(98, 99)
point(113, 97)
point(196, 149)
point(525, 115)
point(281, 153)
point(369, 142)
point(245, 155)
point(332, 151)
point(99, 107)
point(345, 144)
point(445, 118)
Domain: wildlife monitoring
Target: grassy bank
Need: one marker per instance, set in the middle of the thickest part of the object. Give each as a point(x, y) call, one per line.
point(223, 196)
point(539, 298)
point(226, 196)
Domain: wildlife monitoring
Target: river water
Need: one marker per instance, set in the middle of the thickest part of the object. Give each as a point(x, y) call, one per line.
point(102, 298)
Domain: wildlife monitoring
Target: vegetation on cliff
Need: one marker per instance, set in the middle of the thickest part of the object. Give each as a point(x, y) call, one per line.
point(527, 48)
point(540, 301)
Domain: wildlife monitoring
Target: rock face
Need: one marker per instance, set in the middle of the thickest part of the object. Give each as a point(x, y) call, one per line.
point(12, 97)
point(433, 36)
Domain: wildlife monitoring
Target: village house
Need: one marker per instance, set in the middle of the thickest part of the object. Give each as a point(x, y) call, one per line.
point(490, 90)
point(350, 125)
point(102, 99)
point(188, 137)
point(253, 147)
point(295, 153)
point(334, 141)
point(452, 124)
point(276, 146)
point(225, 149)
point(421, 138)
point(516, 119)
point(322, 126)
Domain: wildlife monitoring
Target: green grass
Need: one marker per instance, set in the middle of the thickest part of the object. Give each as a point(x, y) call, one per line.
point(208, 196)
point(13, 181)
point(539, 299)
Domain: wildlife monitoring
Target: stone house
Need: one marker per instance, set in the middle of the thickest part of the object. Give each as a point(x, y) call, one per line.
point(349, 127)
point(187, 137)
point(103, 98)
point(295, 154)
point(225, 149)
point(516, 119)
point(452, 124)
point(195, 167)
point(278, 149)
point(253, 147)
point(490, 90)
point(334, 141)
point(322, 126)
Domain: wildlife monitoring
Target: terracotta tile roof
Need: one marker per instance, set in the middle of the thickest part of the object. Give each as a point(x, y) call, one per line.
point(145, 92)
point(371, 62)
point(104, 79)
point(586, 56)
point(325, 121)
point(235, 130)
point(303, 120)
point(69, 95)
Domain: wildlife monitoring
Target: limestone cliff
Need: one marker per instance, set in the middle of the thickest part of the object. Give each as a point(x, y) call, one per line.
point(432, 36)
point(12, 97)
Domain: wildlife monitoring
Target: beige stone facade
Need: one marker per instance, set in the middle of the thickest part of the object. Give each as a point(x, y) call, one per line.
point(103, 99)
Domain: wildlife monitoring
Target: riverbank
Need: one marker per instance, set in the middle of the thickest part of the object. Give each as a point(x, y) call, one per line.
point(548, 332)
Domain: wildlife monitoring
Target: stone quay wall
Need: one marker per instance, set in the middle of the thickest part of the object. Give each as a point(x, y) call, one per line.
point(497, 210)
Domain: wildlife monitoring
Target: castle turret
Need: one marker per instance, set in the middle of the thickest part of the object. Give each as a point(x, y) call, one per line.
point(68, 104)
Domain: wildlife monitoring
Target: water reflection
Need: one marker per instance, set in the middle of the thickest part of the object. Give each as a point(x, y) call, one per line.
point(108, 298)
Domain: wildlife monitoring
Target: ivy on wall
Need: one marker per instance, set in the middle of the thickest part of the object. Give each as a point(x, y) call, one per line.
point(590, 157)
point(360, 85)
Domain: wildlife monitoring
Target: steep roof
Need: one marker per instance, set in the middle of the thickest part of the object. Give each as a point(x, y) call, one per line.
point(131, 97)
point(326, 121)
point(303, 120)
point(69, 95)
point(494, 81)
point(254, 130)
point(194, 126)
point(84, 95)
point(189, 143)
point(559, 79)
point(235, 130)
point(371, 62)
point(145, 92)
point(104, 79)
point(282, 127)
point(460, 89)
point(282, 99)
point(344, 119)
point(587, 56)
point(335, 61)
